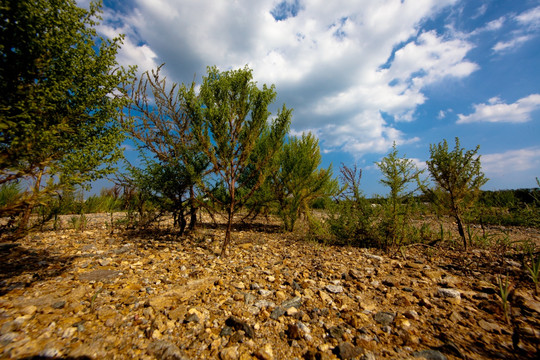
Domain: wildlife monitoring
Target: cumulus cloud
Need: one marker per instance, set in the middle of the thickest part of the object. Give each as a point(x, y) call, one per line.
point(498, 111)
point(339, 64)
point(511, 162)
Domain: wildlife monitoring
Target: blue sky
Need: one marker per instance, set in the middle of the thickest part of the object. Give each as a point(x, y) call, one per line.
point(363, 74)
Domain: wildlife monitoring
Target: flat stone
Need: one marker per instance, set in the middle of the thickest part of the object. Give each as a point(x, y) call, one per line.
point(99, 275)
point(294, 302)
point(335, 289)
point(384, 318)
point(336, 332)
point(181, 293)
point(239, 324)
point(229, 353)
point(430, 355)
point(293, 332)
point(489, 326)
point(374, 257)
point(449, 293)
point(29, 310)
point(277, 312)
point(265, 353)
point(325, 297)
point(264, 304)
point(346, 350)
point(264, 292)
point(59, 304)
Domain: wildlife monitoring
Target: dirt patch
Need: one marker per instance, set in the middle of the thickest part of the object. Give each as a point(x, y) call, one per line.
point(124, 295)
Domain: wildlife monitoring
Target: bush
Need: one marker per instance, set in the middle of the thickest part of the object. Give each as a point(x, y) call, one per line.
point(350, 218)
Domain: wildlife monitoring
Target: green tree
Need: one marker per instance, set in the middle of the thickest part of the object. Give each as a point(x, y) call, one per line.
point(231, 122)
point(402, 177)
point(458, 178)
point(58, 81)
point(298, 180)
point(156, 119)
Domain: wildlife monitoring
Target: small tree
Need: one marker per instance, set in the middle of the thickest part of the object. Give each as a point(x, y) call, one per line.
point(58, 82)
point(398, 175)
point(156, 119)
point(350, 219)
point(458, 177)
point(231, 122)
point(298, 180)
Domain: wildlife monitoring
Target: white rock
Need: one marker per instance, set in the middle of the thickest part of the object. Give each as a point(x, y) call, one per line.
point(449, 293)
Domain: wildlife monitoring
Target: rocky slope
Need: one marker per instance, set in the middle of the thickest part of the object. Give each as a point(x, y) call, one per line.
point(92, 295)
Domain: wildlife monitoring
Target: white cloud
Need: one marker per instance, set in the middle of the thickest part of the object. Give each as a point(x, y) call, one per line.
point(528, 23)
point(511, 162)
point(497, 111)
point(495, 24)
point(329, 60)
point(530, 17)
point(511, 44)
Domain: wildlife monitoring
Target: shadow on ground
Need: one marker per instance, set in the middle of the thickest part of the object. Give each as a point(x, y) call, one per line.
point(20, 267)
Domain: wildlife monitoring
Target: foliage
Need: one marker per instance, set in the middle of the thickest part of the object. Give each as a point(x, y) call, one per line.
point(534, 272)
point(396, 211)
point(458, 177)
point(519, 207)
point(504, 293)
point(58, 80)
point(156, 119)
point(230, 122)
point(350, 220)
point(9, 194)
point(298, 180)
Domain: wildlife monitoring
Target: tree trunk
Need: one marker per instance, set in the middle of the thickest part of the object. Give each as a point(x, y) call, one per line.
point(23, 223)
point(227, 233)
point(230, 215)
point(192, 209)
point(461, 231)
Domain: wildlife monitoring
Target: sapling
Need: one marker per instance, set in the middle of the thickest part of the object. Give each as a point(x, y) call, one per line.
point(458, 177)
point(504, 292)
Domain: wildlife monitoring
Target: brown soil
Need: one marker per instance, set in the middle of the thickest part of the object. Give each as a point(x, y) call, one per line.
point(92, 295)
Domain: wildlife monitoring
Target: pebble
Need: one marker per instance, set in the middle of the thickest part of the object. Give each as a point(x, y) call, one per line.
point(374, 257)
point(265, 293)
point(335, 289)
point(346, 350)
point(429, 355)
point(384, 318)
point(264, 304)
point(291, 311)
point(69, 332)
point(449, 293)
point(265, 353)
point(29, 310)
point(229, 353)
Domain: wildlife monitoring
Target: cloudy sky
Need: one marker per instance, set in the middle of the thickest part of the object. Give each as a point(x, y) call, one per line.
point(362, 74)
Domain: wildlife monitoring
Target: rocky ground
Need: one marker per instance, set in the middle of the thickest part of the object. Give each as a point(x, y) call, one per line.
point(87, 294)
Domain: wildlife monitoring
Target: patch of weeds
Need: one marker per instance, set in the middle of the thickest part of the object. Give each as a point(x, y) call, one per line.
point(94, 298)
point(504, 292)
point(484, 241)
point(79, 222)
point(534, 271)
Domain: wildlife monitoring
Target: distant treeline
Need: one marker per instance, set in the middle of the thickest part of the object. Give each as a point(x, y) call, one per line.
point(510, 198)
